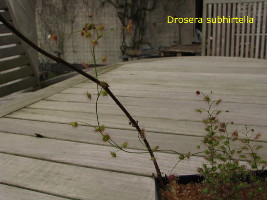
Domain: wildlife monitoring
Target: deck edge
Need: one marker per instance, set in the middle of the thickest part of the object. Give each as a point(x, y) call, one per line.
point(27, 99)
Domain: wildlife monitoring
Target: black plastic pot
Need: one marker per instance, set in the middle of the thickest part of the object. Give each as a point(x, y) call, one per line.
point(197, 178)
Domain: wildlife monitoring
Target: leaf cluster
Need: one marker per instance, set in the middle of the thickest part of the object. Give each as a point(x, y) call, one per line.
point(230, 155)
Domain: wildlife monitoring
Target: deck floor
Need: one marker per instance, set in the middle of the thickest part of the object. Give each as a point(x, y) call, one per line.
point(73, 163)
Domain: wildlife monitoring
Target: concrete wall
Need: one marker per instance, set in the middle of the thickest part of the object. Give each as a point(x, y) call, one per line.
point(65, 16)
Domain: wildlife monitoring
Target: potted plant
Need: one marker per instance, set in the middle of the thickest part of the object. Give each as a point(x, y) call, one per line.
point(233, 169)
point(224, 171)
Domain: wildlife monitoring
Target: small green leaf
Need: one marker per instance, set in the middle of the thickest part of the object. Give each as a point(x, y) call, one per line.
point(244, 147)
point(251, 194)
point(207, 152)
point(198, 110)
point(74, 124)
point(207, 98)
point(258, 147)
point(181, 157)
point(106, 138)
point(113, 154)
point(87, 34)
point(100, 128)
point(218, 102)
point(242, 156)
point(200, 170)
point(89, 96)
point(155, 148)
point(226, 143)
point(124, 145)
point(104, 93)
point(215, 143)
point(260, 189)
point(205, 190)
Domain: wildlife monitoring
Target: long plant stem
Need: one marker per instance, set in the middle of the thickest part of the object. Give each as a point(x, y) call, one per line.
point(97, 86)
point(95, 80)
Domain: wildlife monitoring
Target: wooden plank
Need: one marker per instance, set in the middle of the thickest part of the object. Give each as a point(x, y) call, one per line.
point(263, 31)
point(6, 15)
point(131, 97)
point(195, 61)
point(228, 31)
point(157, 124)
point(112, 121)
point(191, 78)
point(266, 49)
point(223, 38)
point(73, 181)
point(252, 89)
point(13, 63)
point(231, 69)
point(85, 134)
point(248, 113)
point(78, 95)
point(214, 32)
point(237, 35)
point(218, 34)
point(233, 39)
point(252, 47)
point(98, 156)
point(40, 94)
point(11, 51)
point(4, 29)
point(232, 1)
point(3, 5)
point(14, 193)
point(209, 38)
point(248, 38)
point(93, 156)
point(22, 72)
point(259, 24)
point(242, 43)
point(20, 85)
point(9, 39)
point(205, 36)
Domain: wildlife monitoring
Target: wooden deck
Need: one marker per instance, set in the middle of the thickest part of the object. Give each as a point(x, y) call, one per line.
point(73, 163)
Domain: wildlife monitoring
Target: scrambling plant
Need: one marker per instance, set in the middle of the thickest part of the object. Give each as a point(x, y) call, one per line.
point(229, 155)
point(225, 174)
point(93, 33)
point(100, 84)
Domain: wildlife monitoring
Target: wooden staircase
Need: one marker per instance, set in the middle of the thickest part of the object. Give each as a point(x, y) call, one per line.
point(17, 72)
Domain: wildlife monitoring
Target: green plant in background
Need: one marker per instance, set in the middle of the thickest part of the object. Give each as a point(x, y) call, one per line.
point(136, 12)
point(93, 33)
point(230, 155)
